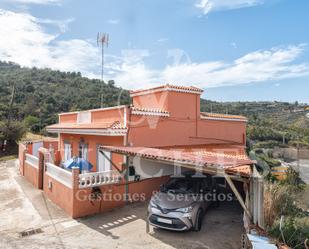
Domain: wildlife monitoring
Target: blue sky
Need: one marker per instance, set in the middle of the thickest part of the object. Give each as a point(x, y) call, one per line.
point(234, 49)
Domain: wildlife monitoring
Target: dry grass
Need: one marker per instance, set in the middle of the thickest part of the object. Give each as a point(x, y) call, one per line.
point(280, 200)
point(6, 158)
point(32, 137)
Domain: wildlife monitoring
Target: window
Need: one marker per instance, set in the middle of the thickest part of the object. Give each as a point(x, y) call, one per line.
point(67, 151)
point(104, 163)
point(83, 151)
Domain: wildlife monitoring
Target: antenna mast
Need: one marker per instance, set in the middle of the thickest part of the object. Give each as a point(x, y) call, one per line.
point(102, 40)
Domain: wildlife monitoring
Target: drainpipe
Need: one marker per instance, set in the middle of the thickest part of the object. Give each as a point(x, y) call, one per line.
point(127, 179)
point(128, 123)
point(196, 116)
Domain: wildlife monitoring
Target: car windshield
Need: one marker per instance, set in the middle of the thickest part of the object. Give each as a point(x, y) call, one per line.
point(179, 186)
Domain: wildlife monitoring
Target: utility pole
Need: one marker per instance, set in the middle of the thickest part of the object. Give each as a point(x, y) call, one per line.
point(102, 40)
point(298, 166)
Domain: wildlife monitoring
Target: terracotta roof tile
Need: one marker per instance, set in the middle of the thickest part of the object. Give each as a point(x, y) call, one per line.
point(168, 86)
point(106, 125)
point(244, 170)
point(222, 116)
point(149, 111)
point(203, 159)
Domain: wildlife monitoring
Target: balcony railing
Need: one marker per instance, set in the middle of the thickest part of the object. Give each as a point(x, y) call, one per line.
point(98, 178)
point(32, 160)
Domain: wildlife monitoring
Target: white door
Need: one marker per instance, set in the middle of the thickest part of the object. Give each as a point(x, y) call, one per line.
point(104, 164)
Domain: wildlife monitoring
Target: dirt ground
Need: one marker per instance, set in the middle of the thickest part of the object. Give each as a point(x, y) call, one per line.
point(23, 208)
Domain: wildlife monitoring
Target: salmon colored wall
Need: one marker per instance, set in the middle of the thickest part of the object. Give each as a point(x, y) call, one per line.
point(29, 148)
point(223, 131)
point(183, 127)
point(106, 116)
point(84, 206)
point(144, 189)
point(53, 143)
point(147, 186)
point(68, 118)
point(154, 100)
point(59, 194)
point(157, 132)
point(31, 174)
point(183, 105)
point(93, 142)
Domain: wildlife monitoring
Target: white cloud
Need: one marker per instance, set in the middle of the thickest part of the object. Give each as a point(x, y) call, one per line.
point(37, 1)
point(207, 6)
point(61, 24)
point(258, 66)
point(113, 21)
point(24, 41)
point(162, 40)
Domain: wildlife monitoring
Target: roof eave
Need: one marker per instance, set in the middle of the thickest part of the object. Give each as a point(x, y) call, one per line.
point(95, 132)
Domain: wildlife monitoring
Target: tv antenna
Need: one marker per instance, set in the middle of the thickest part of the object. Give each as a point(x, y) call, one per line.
point(102, 41)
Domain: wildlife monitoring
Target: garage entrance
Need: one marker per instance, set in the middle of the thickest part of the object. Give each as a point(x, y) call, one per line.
point(230, 164)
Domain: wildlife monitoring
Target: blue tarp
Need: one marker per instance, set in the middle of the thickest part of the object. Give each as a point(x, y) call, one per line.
point(81, 163)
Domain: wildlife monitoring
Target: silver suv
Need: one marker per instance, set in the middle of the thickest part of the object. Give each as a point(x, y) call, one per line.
point(182, 202)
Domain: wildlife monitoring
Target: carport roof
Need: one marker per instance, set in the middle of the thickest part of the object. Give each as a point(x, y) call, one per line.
point(232, 160)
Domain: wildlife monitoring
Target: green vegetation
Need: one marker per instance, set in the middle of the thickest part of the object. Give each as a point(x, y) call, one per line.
point(285, 219)
point(30, 99)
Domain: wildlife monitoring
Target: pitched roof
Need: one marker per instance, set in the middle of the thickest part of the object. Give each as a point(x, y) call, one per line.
point(149, 111)
point(107, 128)
point(219, 116)
point(105, 125)
point(207, 160)
point(167, 87)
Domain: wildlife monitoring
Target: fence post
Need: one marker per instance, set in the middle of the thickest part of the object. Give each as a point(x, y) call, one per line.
point(75, 178)
point(23, 160)
point(41, 169)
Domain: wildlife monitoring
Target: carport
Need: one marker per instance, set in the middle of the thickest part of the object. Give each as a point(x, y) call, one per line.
point(229, 162)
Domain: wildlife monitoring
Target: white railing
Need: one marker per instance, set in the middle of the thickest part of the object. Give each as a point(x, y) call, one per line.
point(98, 178)
point(59, 174)
point(32, 160)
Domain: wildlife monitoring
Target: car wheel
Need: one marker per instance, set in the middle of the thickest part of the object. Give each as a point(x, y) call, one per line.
point(199, 220)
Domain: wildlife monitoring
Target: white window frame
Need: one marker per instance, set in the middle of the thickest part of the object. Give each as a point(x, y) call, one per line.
point(107, 166)
point(67, 151)
point(84, 151)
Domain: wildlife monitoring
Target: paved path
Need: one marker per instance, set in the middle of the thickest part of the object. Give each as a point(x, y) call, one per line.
point(23, 208)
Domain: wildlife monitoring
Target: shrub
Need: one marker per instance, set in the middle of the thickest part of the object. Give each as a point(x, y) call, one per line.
point(270, 161)
point(267, 144)
point(294, 233)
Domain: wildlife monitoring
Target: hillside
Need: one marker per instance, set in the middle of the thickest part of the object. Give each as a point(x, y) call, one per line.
point(271, 123)
point(42, 93)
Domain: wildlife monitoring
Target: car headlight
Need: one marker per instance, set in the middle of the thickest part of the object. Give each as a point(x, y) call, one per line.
point(185, 209)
